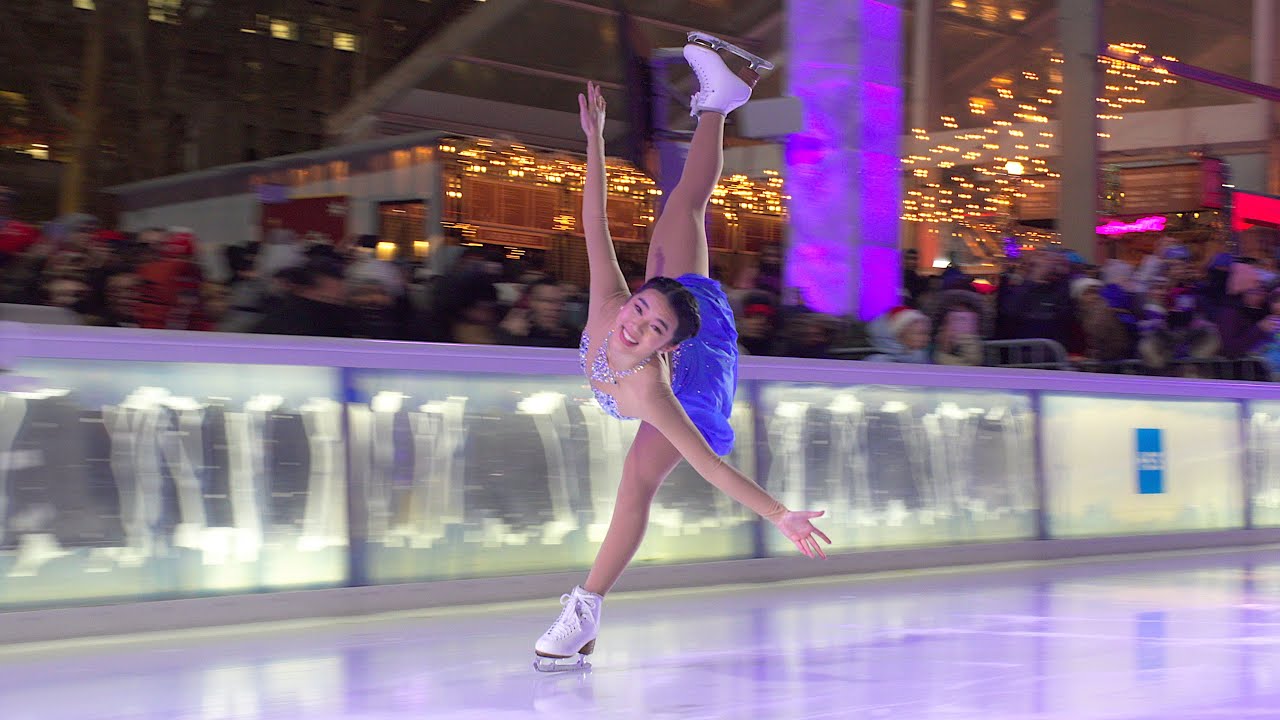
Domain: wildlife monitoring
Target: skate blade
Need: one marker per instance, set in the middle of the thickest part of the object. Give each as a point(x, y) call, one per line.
point(560, 665)
point(710, 41)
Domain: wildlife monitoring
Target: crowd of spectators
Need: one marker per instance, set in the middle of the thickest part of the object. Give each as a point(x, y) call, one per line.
point(1161, 314)
point(1156, 314)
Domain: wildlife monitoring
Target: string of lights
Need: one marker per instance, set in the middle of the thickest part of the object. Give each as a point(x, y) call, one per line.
point(520, 164)
point(985, 180)
point(978, 184)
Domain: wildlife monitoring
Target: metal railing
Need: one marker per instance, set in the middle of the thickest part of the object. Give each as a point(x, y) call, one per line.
point(1032, 353)
point(1251, 369)
point(1035, 353)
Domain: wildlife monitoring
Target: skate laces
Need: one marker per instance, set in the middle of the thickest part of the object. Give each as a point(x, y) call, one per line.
point(699, 97)
point(570, 620)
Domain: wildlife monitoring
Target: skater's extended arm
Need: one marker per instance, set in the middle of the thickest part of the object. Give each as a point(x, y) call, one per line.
point(607, 280)
point(663, 411)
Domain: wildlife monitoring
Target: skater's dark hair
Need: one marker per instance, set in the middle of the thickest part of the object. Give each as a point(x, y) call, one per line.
point(683, 304)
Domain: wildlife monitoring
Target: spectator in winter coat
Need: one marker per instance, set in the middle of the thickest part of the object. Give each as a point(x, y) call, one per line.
point(1120, 291)
point(914, 285)
point(1040, 307)
point(1106, 337)
point(756, 327)
point(901, 336)
point(958, 340)
point(1270, 350)
point(172, 286)
point(1245, 322)
point(537, 320)
point(1170, 328)
point(314, 306)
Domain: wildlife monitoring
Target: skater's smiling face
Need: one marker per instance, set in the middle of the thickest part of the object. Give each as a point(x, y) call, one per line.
point(646, 324)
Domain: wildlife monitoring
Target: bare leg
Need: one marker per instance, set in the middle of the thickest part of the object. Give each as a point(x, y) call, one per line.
point(679, 241)
point(649, 461)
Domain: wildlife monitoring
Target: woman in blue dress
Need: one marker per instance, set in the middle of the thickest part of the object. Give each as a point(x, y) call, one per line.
point(666, 354)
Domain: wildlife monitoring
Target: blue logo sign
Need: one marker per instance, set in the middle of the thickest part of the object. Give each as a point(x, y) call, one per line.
point(1150, 461)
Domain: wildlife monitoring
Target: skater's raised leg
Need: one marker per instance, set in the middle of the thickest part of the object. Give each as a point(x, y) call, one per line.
point(678, 244)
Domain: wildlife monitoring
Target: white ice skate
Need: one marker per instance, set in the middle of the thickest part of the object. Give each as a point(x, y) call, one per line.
point(721, 89)
point(572, 637)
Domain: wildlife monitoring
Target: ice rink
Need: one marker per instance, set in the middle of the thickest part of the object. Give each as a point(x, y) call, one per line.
point(1161, 638)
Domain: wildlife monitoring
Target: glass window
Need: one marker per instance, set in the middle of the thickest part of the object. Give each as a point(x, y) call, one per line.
point(284, 29)
point(901, 466)
point(166, 11)
point(1264, 446)
point(136, 480)
point(346, 41)
point(472, 475)
point(403, 224)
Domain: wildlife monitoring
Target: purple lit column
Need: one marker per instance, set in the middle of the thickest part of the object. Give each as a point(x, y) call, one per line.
point(844, 66)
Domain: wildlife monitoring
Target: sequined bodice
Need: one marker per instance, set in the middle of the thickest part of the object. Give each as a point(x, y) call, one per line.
point(606, 400)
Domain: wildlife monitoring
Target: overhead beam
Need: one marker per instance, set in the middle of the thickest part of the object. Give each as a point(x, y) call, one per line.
point(1031, 34)
point(1195, 73)
point(535, 72)
point(453, 40)
point(971, 76)
point(462, 114)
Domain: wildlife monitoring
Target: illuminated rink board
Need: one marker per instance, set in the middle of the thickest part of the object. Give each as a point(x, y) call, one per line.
point(1264, 462)
point(145, 464)
point(468, 476)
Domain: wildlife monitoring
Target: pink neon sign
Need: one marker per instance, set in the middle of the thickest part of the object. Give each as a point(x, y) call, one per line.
point(1152, 223)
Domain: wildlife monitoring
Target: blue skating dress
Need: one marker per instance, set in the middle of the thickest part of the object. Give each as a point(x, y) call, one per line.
point(704, 368)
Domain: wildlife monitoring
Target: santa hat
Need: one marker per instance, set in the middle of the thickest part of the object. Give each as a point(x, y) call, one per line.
point(1080, 286)
point(900, 317)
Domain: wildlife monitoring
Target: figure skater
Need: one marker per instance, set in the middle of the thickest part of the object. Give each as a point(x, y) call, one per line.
point(666, 355)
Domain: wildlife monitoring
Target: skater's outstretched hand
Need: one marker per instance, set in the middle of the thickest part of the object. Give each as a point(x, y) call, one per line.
point(796, 526)
point(591, 110)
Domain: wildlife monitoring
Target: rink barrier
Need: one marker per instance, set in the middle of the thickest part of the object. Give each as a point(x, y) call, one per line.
point(156, 480)
point(161, 618)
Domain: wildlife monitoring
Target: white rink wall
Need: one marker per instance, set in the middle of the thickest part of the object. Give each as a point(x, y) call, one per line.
point(306, 477)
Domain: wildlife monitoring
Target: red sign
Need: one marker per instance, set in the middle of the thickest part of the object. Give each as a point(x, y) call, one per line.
point(1250, 210)
point(323, 219)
